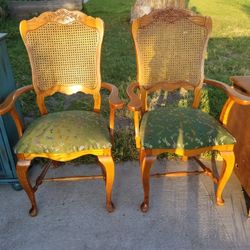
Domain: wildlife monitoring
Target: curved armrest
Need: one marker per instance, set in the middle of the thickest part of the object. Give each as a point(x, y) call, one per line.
point(135, 102)
point(9, 102)
point(241, 82)
point(115, 103)
point(9, 106)
point(230, 91)
point(114, 99)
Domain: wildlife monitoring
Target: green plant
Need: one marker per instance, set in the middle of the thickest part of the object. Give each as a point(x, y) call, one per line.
point(4, 11)
point(228, 52)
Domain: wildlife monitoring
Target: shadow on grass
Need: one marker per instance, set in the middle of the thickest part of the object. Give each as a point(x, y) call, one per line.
point(246, 9)
point(226, 57)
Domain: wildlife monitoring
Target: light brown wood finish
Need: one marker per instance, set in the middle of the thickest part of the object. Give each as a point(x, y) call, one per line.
point(138, 104)
point(164, 85)
point(230, 91)
point(146, 165)
point(64, 18)
point(225, 150)
point(9, 102)
point(22, 174)
point(9, 106)
point(197, 97)
point(146, 20)
point(241, 82)
point(108, 165)
point(135, 102)
point(114, 103)
point(233, 97)
point(238, 123)
point(114, 99)
point(137, 128)
point(226, 111)
point(228, 165)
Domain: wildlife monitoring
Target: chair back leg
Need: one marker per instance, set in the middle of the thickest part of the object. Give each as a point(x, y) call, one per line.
point(146, 165)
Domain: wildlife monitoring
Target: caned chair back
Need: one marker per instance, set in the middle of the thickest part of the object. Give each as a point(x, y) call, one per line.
point(171, 47)
point(64, 49)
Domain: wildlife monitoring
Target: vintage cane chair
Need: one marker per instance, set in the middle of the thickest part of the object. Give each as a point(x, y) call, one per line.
point(64, 49)
point(170, 49)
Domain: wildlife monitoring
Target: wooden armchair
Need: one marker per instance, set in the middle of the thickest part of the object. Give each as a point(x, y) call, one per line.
point(64, 49)
point(170, 48)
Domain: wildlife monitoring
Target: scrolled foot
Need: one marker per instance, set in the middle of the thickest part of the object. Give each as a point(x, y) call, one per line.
point(144, 207)
point(219, 201)
point(33, 211)
point(110, 207)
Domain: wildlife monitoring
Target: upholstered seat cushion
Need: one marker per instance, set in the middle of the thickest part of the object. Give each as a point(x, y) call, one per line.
point(182, 128)
point(65, 132)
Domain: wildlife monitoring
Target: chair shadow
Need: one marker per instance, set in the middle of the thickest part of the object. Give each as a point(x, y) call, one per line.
point(246, 9)
point(224, 60)
point(226, 57)
point(187, 206)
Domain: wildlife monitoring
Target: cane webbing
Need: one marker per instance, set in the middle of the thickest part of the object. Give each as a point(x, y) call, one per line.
point(171, 51)
point(63, 55)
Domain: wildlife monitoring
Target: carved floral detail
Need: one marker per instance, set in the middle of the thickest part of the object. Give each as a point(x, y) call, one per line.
point(168, 15)
point(171, 15)
point(61, 16)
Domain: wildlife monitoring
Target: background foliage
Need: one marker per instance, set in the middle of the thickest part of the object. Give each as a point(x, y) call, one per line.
point(228, 54)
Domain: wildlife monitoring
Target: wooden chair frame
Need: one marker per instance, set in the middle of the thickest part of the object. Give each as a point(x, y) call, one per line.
point(104, 155)
point(148, 156)
point(138, 105)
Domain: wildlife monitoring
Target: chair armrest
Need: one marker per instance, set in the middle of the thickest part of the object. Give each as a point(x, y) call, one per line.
point(114, 103)
point(230, 91)
point(9, 106)
point(135, 102)
point(114, 99)
point(242, 83)
point(9, 102)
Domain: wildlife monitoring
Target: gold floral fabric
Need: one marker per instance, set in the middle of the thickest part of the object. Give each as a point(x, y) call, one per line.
point(65, 132)
point(182, 128)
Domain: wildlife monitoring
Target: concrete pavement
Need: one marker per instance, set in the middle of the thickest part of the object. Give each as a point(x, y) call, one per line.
point(72, 215)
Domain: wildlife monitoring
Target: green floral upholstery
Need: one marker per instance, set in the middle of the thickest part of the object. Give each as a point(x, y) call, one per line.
point(65, 132)
point(182, 128)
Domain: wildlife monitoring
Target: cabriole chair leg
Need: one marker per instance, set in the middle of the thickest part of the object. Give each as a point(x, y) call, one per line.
point(141, 156)
point(228, 165)
point(22, 173)
point(108, 164)
point(146, 165)
point(103, 171)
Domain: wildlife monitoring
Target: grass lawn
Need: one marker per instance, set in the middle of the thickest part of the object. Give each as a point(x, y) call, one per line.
point(228, 54)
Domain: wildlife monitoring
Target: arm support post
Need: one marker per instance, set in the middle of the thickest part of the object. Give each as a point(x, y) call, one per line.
point(135, 105)
point(114, 103)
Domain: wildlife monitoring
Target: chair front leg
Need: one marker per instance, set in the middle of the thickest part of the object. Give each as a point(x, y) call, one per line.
point(228, 165)
point(141, 156)
point(22, 174)
point(146, 164)
point(108, 165)
point(103, 171)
